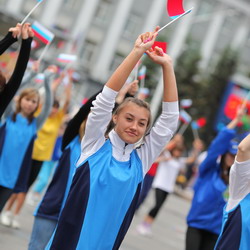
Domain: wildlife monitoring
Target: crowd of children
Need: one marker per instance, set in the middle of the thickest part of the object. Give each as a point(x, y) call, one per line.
point(108, 157)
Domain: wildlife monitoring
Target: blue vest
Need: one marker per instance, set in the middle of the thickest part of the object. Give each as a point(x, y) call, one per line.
point(101, 202)
point(58, 189)
point(17, 139)
point(235, 233)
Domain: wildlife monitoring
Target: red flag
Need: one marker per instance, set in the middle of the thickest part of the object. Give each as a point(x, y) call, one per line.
point(162, 45)
point(175, 8)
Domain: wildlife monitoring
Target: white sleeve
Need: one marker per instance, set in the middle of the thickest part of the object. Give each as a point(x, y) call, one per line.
point(239, 183)
point(159, 135)
point(97, 122)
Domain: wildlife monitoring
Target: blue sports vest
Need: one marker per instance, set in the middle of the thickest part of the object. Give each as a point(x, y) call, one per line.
point(235, 233)
point(101, 202)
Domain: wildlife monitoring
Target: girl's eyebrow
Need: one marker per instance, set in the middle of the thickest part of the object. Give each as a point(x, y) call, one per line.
point(142, 119)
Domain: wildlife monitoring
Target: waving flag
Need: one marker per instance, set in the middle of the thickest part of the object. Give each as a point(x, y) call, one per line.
point(185, 117)
point(42, 33)
point(199, 123)
point(66, 58)
point(175, 8)
point(186, 103)
point(142, 72)
point(39, 78)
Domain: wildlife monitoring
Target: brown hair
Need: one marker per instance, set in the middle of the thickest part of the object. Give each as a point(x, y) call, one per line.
point(82, 129)
point(128, 100)
point(26, 92)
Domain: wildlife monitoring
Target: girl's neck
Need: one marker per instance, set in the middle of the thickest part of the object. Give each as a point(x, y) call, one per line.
point(23, 114)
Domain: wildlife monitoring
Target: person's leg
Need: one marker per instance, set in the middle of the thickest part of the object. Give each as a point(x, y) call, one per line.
point(193, 239)
point(160, 197)
point(10, 202)
point(145, 227)
point(41, 233)
point(20, 198)
point(6, 216)
point(208, 240)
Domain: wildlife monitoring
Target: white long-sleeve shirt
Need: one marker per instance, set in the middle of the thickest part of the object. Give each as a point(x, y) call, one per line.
point(239, 183)
point(154, 142)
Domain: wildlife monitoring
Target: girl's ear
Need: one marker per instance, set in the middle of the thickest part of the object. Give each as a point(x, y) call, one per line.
point(114, 118)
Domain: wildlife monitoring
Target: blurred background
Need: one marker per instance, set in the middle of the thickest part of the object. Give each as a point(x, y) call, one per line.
point(210, 48)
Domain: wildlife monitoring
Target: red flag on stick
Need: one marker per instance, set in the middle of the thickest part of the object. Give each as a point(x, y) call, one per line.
point(175, 8)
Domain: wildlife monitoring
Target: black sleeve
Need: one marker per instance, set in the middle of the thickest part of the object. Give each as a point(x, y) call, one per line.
point(14, 82)
point(6, 42)
point(74, 124)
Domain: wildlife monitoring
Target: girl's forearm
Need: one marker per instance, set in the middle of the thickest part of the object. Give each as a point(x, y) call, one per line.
point(169, 81)
point(119, 77)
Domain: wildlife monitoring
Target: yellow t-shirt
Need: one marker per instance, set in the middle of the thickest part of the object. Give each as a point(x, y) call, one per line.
point(46, 137)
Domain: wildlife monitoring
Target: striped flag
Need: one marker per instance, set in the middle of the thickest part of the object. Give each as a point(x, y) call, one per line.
point(142, 72)
point(42, 33)
point(175, 8)
point(185, 117)
point(39, 78)
point(66, 58)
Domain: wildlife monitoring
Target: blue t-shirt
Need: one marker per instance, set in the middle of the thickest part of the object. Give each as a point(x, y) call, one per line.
point(17, 139)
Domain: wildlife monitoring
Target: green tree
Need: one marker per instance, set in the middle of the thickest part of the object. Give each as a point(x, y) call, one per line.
point(215, 87)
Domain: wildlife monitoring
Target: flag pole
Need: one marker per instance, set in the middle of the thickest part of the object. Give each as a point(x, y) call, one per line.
point(43, 52)
point(24, 20)
point(186, 12)
point(183, 128)
point(195, 133)
point(245, 99)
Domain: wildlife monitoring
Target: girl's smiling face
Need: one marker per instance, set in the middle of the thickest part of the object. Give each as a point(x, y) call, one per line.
point(29, 104)
point(131, 122)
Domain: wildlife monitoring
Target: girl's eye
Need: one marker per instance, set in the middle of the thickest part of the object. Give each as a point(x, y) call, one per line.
point(141, 124)
point(129, 119)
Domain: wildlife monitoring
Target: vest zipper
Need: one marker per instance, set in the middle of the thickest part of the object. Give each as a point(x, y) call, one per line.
point(124, 148)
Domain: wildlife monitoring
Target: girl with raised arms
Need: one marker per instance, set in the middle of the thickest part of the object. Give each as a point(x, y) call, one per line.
point(106, 186)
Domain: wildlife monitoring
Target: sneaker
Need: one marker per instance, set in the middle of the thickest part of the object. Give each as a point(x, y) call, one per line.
point(144, 229)
point(6, 218)
point(15, 222)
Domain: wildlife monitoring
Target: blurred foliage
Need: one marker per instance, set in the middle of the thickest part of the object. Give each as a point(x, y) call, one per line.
point(215, 85)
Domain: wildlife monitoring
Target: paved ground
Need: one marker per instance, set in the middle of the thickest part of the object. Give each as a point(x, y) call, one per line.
point(168, 230)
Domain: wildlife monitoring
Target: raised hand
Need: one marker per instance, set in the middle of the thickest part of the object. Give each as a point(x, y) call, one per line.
point(158, 56)
point(146, 40)
point(35, 66)
point(26, 31)
point(16, 31)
